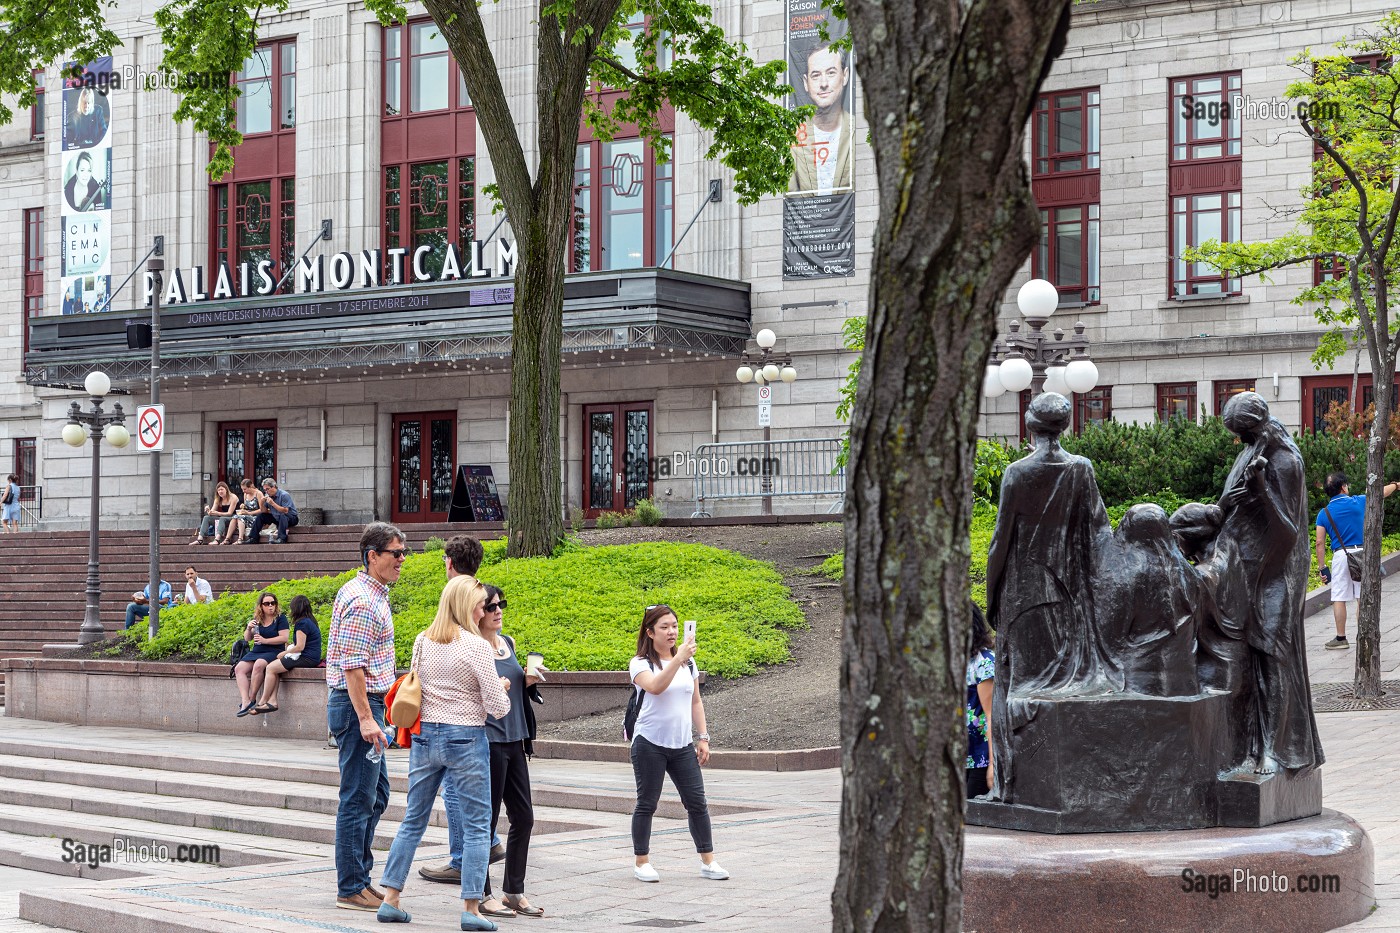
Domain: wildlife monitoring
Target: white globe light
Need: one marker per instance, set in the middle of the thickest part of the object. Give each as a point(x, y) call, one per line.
point(771, 372)
point(991, 383)
point(1037, 298)
point(789, 374)
point(97, 384)
point(1016, 374)
point(765, 338)
point(74, 435)
point(758, 379)
point(1081, 375)
point(117, 435)
point(1055, 381)
point(744, 374)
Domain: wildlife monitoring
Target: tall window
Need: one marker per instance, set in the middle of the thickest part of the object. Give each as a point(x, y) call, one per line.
point(33, 269)
point(252, 213)
point(24, 461)
point(267, 84)
point(1065, 180)
point(36, 113)
point(1226, 390)
point(1176, 400)
point(1093, 407)
point(255, 221)
point(623, 210)
point(1205, 180)
point(430, 204)
point(420, 75)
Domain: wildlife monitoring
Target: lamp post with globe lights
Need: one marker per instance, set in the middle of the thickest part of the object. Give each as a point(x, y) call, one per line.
point(765, 368)
point(81, 425)
point(1036, 360)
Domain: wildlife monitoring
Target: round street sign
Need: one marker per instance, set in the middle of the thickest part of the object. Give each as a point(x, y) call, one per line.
point(765, 393)
point(150, 427)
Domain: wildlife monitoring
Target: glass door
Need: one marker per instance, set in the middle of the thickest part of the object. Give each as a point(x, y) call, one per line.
point(616, 457)
point(425, 457)
point(247, 448)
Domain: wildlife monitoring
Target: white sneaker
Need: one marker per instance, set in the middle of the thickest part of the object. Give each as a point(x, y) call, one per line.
point(646, 873)
point(713, 871)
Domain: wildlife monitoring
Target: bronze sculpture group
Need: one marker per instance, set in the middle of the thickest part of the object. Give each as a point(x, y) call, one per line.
point(1152, 676)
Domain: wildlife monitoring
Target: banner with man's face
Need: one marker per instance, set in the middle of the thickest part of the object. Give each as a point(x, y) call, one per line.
point(819, 209)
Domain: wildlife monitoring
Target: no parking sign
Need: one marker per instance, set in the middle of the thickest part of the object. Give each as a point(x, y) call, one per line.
point(765, 406)
point(150, 427)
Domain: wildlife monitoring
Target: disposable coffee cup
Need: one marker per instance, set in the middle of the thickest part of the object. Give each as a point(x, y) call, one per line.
point(533, 660)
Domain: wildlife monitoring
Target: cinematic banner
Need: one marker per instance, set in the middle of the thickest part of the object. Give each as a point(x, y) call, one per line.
point(819, 213)
point(86, 163)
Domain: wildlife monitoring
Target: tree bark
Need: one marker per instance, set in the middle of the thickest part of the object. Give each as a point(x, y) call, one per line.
point(947, 104)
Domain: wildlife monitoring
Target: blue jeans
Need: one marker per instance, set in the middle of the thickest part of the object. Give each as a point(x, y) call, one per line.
point(283, 521)
point(454, 825)
point(364, 793)
point(463, 752)
point(136, 611)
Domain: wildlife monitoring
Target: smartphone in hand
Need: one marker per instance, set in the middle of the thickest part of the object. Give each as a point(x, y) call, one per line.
point(689, 630)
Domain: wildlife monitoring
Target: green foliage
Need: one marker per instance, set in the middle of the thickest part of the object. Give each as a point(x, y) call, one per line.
point(607, 520)
point(581, 608)
point(1136, 460)
point(834, 567)
point(647, 512)
point(35, 34)
point(576, 519)
point(1168, 500)
point(989, 464)
point(853, 339)
point(434, 544)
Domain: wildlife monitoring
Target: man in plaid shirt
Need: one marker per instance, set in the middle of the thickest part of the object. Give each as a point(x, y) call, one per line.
point(359, 671)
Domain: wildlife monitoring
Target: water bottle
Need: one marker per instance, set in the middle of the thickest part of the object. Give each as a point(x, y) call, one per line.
point(376, 752)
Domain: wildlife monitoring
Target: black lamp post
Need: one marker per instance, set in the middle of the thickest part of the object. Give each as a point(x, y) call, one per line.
point(81, 425)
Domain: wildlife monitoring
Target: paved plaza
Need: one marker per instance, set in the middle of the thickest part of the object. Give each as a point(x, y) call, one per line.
point(775, 832)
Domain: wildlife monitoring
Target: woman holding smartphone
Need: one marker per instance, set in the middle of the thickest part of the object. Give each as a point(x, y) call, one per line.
point(661, 742)
point(303, 651)
point(265, 633)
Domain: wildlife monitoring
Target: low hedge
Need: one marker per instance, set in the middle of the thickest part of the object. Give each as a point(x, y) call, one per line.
point(581, 608)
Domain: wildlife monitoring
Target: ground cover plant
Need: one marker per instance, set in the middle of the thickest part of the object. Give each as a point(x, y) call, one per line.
point(580, 608)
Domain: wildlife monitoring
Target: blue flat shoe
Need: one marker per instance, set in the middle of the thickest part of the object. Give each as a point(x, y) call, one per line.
point(473, 922)
point(388, 913)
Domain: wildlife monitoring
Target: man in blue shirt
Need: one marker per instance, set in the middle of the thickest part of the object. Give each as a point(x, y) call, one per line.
point(278, 509)
point(1342, 527)
point(140, 605)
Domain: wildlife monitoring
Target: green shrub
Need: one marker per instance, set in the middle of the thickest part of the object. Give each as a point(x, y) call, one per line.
point(434, 544)
point(647, 512)
point(576, 519)
point(607, 520)
point(989, 465)
point(834, 566)
point(581, 609)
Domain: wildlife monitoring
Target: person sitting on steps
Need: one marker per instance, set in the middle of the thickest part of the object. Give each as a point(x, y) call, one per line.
point(277, 507)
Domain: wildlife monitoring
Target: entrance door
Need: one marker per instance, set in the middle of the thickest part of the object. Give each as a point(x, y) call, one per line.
point(617, 456)
point(247, 448)
point(425, 456)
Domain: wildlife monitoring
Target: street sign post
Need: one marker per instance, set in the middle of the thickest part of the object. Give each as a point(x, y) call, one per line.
point(150, 428)
point(765, 406)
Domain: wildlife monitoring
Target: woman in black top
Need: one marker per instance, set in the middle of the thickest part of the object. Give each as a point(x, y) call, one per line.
point(511, 740)
point(265, 633)
point(305, 651)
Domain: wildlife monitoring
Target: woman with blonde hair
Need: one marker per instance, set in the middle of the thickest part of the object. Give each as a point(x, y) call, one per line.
point(457, 670)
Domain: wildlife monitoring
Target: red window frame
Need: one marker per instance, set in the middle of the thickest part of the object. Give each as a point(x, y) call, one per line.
point(33, 270)
point(236, 209)
point(657, 206)
point(1226, 389)
point(1093, 407)
point(24, 453)
point(36, 113)
point(1193, 172)
point(404, 194)
point(397, 66)
point(1045, 261)
point(1046, 159)
point(282, 54)
point(1169, 394)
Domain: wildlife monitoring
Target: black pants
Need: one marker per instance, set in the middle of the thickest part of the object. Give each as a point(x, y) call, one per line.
point(510, 782)
point(650, 764)
point(976, 782)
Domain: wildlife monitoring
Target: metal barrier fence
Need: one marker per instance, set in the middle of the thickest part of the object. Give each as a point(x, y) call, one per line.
point(766, 469)
point(31, 505)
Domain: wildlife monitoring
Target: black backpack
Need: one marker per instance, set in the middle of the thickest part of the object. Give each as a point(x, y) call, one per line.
point(240, 648)
point(634, 702)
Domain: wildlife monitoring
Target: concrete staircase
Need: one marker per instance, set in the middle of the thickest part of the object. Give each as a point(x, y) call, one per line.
point(44, 594)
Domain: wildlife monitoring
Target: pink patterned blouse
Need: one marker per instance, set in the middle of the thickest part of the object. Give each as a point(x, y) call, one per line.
point(460, 684)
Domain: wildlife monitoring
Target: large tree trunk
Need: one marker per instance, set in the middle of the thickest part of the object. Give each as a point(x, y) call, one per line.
point(947, 104)
point(1368, 612)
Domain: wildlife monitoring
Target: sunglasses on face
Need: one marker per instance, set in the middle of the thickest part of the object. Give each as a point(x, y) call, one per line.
point(492, 607)
point(398, 553)
point(269, 602)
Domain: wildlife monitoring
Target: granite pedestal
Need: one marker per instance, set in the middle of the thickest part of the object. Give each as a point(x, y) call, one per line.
point(1303, 876)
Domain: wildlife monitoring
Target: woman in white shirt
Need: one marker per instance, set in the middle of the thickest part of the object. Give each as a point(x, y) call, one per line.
point(661, 742)
point(457, 670)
